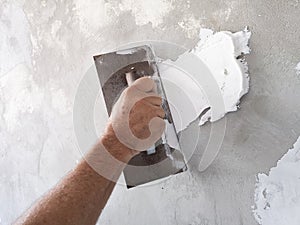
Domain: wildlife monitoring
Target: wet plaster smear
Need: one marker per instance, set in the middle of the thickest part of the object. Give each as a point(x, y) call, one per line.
point(218, 52)
point(277, 194)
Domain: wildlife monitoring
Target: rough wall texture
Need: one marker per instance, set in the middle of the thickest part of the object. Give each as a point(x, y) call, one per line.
point(50, 46)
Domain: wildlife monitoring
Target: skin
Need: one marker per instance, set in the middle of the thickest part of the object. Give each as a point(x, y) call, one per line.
point(82, 194)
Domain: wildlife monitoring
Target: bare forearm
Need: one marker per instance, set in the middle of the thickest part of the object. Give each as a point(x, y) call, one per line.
point(80, 197)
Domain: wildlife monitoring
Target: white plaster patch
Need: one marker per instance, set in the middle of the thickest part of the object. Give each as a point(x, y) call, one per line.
point(298, 68)
point(14, 37)
point(60, 102)
point(219, 52)
point(55, 27)
point(190, 25)
point(277, 195)
point(225, 13)
point(93, 15)
point(59, 99)
point(20, 94)
point(144, 12)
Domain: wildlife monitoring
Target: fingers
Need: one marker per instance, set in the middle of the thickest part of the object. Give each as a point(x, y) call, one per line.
point(144, 84)
point(144, 88)
point(160, 112)
point(154, 100)
point(153, 110)
point(157, 127)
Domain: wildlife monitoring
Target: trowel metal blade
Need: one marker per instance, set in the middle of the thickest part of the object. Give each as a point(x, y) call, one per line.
point(111, 69)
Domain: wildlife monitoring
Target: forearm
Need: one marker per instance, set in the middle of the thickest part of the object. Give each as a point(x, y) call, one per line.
point(80, 197)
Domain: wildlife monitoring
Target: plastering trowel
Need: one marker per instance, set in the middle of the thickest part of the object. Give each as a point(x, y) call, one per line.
point(116, 71)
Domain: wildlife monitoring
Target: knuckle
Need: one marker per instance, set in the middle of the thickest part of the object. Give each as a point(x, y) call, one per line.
point(140, 103)
point(151, 81)
point(154, 95)
point(160, 100)
point(163, 114)
point(129, 91)
point(147, 79)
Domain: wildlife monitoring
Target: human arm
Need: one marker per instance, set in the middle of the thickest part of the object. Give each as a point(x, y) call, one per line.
point(80, 197)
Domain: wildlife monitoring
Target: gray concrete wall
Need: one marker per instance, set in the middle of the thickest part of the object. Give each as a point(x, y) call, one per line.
point(40, 145)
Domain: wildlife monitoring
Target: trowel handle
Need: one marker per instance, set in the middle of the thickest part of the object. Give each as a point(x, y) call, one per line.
point(130, 78)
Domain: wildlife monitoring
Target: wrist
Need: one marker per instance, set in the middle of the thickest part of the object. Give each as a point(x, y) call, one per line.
point(115, 148)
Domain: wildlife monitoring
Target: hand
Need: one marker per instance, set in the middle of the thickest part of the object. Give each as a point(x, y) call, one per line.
point(136, 120)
